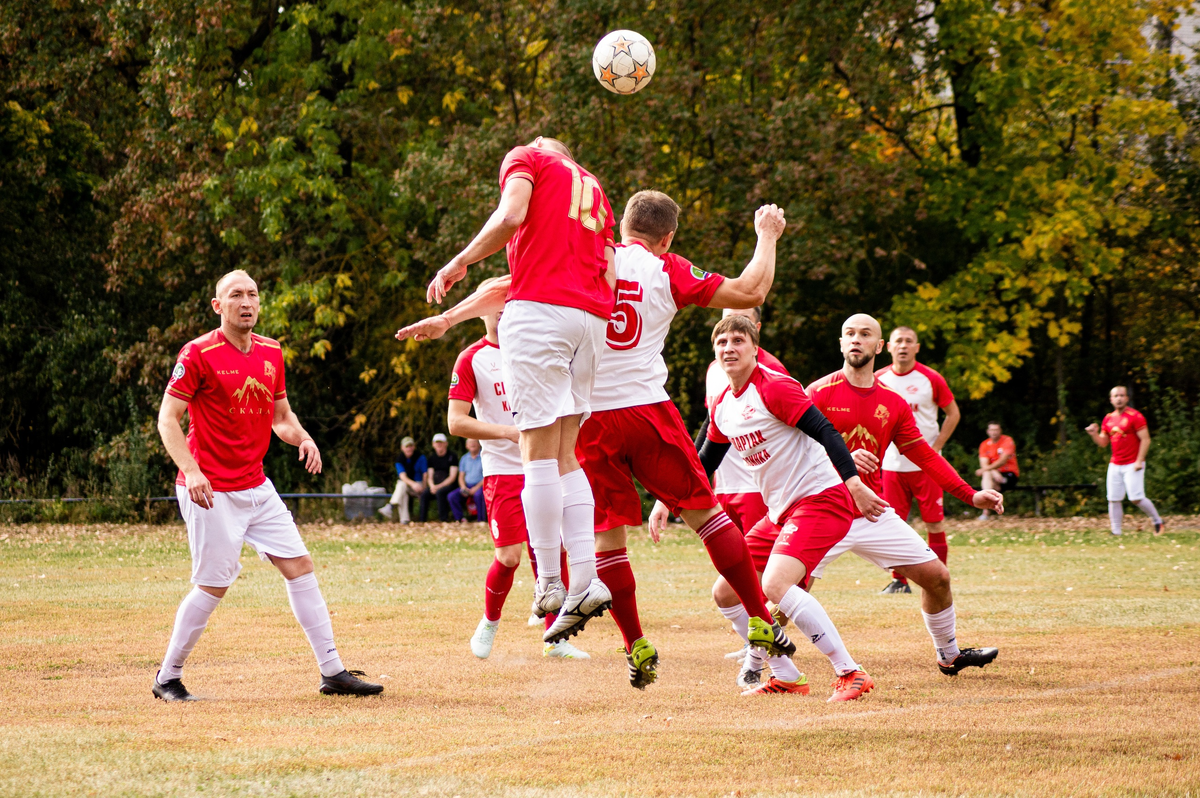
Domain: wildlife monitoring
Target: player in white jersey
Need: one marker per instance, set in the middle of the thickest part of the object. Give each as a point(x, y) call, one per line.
point(903, 480)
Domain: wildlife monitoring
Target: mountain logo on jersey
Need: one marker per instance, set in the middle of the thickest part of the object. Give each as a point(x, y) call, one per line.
point(699, 273)
point(178, 373)
point(882, 414)
point(861, 435)
point(250, 389)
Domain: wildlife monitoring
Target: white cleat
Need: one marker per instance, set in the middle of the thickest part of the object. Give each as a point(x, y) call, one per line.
point(564, 650)
point(550, 599)
point(740, 654)
point(534, 620)
point(484, 637)
point(577, 609)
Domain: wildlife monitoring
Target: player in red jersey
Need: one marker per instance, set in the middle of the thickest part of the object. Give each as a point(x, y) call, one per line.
point(477, 381)
point(231, 384)
point(926, 392)
point(872, 418)
point(808, 478)
point(1125, 428)
point(556, 223)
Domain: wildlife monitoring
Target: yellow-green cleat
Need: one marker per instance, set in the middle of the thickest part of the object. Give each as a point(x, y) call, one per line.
point(643, 663)
point(770, 638)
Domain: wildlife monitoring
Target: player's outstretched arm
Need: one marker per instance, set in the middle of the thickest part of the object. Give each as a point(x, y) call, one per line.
point(1097, 435)
point(750, 288)
point(939, 468)
point(170, 414)
point(487, 298)
point(499, 228)
point(460, 422)
point(287, 426)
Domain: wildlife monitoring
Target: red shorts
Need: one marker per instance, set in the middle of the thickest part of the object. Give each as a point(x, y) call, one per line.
point(506, 516)
point(901, 487)
point(648, 442)
point(744, 509)
point(806, 530)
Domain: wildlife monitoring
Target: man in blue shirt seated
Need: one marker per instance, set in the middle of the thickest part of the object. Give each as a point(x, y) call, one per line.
point(410, 469)
point(470, 481)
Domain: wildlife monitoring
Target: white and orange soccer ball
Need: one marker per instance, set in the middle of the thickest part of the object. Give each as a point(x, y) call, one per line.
point(623, 62)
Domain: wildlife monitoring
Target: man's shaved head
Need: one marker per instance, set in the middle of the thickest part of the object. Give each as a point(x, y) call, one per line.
point(229, 278)
point(863, 320)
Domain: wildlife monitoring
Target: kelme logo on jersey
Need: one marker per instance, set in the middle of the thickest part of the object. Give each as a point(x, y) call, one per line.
point(699, 273)
point(177, 374)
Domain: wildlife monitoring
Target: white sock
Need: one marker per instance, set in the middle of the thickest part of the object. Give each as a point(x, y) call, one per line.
point(784, 669)
point(1116, 513)
point(811, 619)
point(579, 528)
point(543, 504)
point(190, 620)
point(309, 607)
point(941, 629)
point(740, 619)
point(1147, 507)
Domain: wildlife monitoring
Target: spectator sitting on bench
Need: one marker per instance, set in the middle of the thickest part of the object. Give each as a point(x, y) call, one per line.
point(470, 482)
point(410, 470)
point(440, 479)
point(998, 468)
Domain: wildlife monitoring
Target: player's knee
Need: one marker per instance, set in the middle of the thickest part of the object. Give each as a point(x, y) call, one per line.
point(723, 594)
point(509, 559)
point(774, 587)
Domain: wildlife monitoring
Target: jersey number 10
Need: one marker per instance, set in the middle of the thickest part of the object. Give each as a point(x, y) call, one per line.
point(583, 200)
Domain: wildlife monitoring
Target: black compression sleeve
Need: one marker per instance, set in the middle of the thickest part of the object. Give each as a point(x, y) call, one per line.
point(814, 424)
point(711, 454)
point(702, 435)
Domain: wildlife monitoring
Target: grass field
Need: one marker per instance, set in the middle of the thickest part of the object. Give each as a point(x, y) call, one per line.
point(1095, 691)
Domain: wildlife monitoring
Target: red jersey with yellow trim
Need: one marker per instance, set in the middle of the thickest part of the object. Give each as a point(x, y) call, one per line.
point(1122, 429)
point(868, 418)
point(231, 405)
point(557, 254)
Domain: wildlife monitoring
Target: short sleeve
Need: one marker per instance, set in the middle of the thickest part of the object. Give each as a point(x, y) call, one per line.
point(281, 382)
point(714, 432)
point(784, 398)
point(1007, 446)
point(518, 163)
point(690, 285)
point(942, 395)
point(187, 376)
point(983, 449)
point(462, 379)
point(1139, 422)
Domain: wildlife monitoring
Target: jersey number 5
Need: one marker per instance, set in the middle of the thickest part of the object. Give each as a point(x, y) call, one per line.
point(625, 324)
point(583, 200)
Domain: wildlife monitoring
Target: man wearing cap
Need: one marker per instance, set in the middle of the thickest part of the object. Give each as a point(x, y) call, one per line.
point(440, 479)
point(410, 470)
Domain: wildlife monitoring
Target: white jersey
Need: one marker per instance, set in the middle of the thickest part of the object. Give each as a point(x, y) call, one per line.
point(760, 422)
point(477, 379)
point(925, 391)
point(732, 476)
point(650, 291)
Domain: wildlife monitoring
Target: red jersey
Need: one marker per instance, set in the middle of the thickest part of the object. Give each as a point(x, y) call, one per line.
point(993, 451)
point(557, 254)
point(1122, 429)
point(878, 417)
point(231, 405)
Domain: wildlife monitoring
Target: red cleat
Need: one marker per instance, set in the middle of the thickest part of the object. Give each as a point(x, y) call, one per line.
point(774, 685)
point(852, 685)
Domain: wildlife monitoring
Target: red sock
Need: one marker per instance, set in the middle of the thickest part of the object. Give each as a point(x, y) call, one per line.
point(613, 569)
point(896, 574)
point(499, 582)
point(729, 553)
point(551, 617)
point(937, 542)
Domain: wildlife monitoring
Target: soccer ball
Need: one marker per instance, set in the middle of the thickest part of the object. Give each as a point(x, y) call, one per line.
point(623, 62)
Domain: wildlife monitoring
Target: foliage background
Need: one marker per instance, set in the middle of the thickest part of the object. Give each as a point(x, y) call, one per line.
point(1016, 180)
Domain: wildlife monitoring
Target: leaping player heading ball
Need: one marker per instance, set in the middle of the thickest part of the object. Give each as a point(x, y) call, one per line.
point(556, 223)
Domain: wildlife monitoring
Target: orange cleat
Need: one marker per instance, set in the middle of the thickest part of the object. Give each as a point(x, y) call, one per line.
point(774, 685)
point(852, 685)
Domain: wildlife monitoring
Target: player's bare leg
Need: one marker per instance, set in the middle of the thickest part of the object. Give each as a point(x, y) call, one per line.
point(612, 565)
point(937, 607)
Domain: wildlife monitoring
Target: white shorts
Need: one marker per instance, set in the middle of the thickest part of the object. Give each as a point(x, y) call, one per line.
point(548, 356)
point(889, 543)
point(1126, 482)
point(215, 535)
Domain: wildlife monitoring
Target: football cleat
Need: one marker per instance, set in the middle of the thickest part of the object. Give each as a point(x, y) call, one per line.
point(771, 639)
point(563, 650)
point(534, 620)
point(969, 658)
point(897, 586)
point(1158, 527)
point(740, 654)
point(348, 683)
point(773, 685)
point(484, 637)
point(577, 610)
point(548, 600)
point(172, 690)
point(643, 663)
point(750, 676)
point(850, 686)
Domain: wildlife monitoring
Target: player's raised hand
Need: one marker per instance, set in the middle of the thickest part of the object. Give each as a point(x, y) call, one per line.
point(870, 505)
point(442, 282)
point(1092, 429)
point(989, 500)
point(659, 517)
point(769, 221)
point(425, 329)
point(199, 489)
point(866, 462)
point(311, 456)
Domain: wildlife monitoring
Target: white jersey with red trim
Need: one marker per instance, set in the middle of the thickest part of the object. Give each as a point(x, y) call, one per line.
point(760, 423)
point(477, 379)
point(650, 291)
point(732, 477)
point(925, 391)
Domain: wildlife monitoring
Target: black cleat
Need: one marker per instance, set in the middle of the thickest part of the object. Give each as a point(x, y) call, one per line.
point(969, 658)
point(348, 683)
point(1158, 528)
point(897, 586)
point(173, 690)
